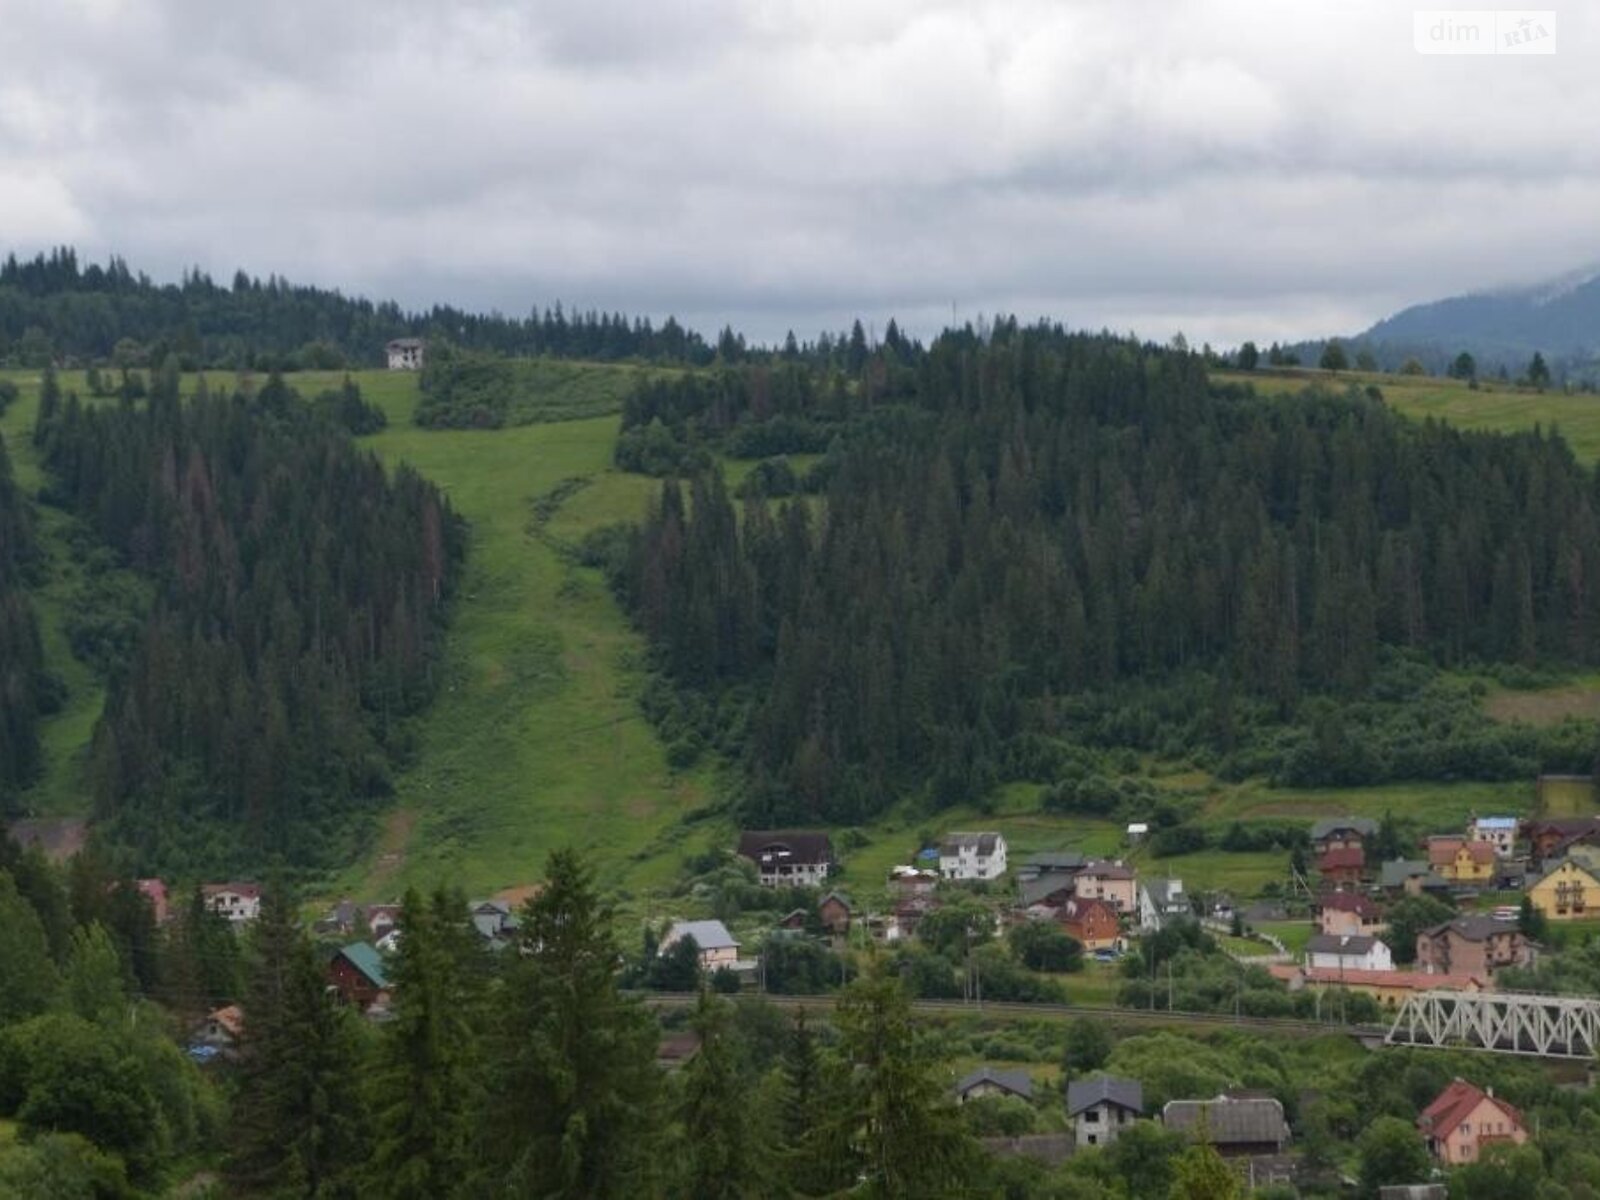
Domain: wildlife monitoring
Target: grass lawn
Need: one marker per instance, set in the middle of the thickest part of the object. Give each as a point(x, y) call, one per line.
point(1095, 986)
point(1239, 874)
point(1491, 406)
point(1567, 797)
point(1293, 934)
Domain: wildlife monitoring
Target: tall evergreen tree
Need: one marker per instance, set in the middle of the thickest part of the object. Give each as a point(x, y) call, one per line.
point(906, 1136)
point(576, 1102)
point(724, 1156)
point(426, 1087)
point(298, 1125)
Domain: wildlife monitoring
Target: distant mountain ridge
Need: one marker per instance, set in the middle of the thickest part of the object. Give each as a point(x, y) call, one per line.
point(1560, 318)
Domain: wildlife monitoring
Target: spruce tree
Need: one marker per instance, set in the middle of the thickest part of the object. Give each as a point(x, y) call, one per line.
point(722, 1159)
point(423, 1094)
point(906, 1136)
point(298, 1123)
point(575, 1109)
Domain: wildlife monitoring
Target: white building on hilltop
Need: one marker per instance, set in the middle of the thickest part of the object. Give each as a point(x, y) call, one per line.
point(405, 354)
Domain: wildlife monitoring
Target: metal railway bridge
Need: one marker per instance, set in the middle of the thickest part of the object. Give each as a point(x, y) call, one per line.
point(1500, 1022)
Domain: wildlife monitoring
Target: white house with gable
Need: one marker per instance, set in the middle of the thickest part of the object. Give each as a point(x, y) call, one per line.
point(405, 354)
point(969, 856)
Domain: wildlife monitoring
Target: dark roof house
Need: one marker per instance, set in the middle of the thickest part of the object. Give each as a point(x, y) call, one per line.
point(989, 1081)
point(1234, 1125)
point(788, 856)
point(1086, 1093)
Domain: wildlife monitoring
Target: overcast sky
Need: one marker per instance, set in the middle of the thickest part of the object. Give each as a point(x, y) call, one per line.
point(1231, 168)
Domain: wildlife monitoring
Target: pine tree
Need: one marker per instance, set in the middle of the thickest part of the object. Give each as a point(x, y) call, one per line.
point(575, 1106)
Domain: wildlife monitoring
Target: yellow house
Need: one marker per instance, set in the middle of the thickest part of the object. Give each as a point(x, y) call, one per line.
point(1568, 891)
point(1460, 860)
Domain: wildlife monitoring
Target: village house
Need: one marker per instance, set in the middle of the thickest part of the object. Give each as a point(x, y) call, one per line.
point(994, 1081)
point(1347, 952)
point(357, 974)
point(1111, 881)
point(1044, 894)
point(1551, 837)
point(1235, 1126)
point(240, 903)
point(833, 910)
point(905, 882)
point(1499, 832)
point(1567, 891)
point(1472, 945)
point(972, 856)
point(1342, 833)
point(717, 946)
point(1342, 866)
point(1411, 877)
point(1049, 862)
point(1348, 913)
point(1389, 988)
point(1461, 860)
point(495, 922)
point(222, 1028)
point(405, 354)
point(788, 857)
point(1464, 1119)
point(1161, 901)
point(1093, 923)
point(1100, 1109)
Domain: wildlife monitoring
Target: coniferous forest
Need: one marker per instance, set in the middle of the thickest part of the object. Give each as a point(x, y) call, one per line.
point(25, 687)
point(300, 597)
point(54, 309)
point(1044, 541)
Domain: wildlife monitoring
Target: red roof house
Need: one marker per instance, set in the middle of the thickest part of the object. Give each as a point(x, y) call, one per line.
point(1464, 1119)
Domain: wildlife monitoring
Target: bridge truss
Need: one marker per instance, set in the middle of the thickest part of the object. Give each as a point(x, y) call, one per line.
point(1501, 1022)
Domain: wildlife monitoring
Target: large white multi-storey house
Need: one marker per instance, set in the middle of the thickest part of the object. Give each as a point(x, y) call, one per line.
point(969, 856)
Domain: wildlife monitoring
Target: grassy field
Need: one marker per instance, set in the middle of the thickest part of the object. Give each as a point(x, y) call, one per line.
point(65, 735)
point(536, 740)
point(1567, 797)
point(1293, 934)
point(1578, 698)
point(1490, 406)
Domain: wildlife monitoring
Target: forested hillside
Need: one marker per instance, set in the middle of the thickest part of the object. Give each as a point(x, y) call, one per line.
point(1054, 540)
point(51, 309)
point(24, 685)
point(300, 596)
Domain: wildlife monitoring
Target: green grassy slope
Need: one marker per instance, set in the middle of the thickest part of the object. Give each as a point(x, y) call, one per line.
point(61, 791)
point(1490, 406)
point(535, 740)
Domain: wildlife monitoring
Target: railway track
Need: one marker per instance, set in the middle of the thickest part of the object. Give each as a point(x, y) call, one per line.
point(1012, 1011)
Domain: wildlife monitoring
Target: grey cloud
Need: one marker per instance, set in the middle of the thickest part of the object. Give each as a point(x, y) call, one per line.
point(1235, 167)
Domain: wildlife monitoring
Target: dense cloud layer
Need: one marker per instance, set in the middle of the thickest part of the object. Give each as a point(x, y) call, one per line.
point(1234, 168)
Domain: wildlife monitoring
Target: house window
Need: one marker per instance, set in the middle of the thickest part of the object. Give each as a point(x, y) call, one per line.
point(1092, 1116)
point(1094, 1139)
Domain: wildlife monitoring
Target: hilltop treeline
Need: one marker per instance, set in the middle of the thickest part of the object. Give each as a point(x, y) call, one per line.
point(300, 595)
point(1044, 520)
point(54, 310)
point(25, 688)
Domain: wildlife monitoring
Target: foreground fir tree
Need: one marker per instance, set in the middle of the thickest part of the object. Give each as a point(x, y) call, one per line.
point(725, 1155)
point(817, 1159)
point(906, 1136)
point(298, 1122)
point(576, 1108)
point(426, 1084)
